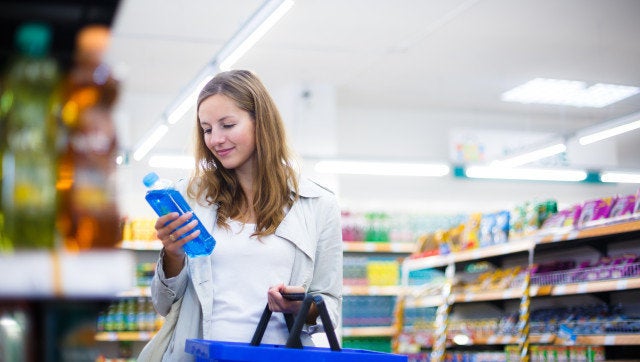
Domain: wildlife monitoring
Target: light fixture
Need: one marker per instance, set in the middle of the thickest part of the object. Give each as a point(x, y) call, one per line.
point(188, 97)
point(382, 168)
point(461, 339)
point(518, 173)
point(620, 177)
point(251, 31)
point(568, 93)
point(172, 161)
point(531, 156)
point(150, 141)
point(609, 129)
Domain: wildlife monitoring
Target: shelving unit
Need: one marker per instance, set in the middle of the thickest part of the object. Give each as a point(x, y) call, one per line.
point(372, 337)
point(142, 251)
point(599, 237)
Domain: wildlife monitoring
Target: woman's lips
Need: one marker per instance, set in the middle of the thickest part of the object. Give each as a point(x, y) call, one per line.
point(224, 152)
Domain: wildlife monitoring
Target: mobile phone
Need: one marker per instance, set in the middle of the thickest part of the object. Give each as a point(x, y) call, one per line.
point(293, 296)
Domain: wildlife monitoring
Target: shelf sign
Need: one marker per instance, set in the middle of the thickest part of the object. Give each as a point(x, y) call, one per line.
point(567, 334)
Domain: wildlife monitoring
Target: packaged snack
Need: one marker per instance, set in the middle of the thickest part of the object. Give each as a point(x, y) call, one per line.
point(426, 246)
point(471, 234)
point(486, 228)
point(454, 238)
point(556, 220)
point(517, 221)
point(573, 217)
point(597, 209)
point(500, 229)
point(623, 205)
point(637, 208)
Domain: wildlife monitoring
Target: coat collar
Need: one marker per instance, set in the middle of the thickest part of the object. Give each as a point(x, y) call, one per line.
point(311, 189)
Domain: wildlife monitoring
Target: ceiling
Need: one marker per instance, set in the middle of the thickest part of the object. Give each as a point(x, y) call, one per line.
point(406, 54)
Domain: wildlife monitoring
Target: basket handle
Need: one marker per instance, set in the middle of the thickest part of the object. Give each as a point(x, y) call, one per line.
point(295, 326)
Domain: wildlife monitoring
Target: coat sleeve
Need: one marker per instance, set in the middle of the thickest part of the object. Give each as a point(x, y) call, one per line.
point(165, 291)
point(327, 274)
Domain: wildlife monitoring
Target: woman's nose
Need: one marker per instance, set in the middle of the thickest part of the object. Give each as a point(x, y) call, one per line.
point(217, 138)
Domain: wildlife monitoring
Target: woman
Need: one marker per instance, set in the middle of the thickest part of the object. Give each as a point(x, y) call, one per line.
point(275, 233)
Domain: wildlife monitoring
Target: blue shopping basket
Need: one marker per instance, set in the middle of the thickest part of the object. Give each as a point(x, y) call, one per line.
point(292, 351)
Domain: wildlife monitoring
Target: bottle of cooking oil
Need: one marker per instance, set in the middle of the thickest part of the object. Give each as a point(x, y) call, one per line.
point(28, 141)
point(88, 216)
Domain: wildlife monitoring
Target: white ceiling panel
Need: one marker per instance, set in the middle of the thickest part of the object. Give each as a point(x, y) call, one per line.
point(407, 54)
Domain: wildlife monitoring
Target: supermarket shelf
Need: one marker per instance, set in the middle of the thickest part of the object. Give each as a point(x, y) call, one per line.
point(467, 255)
point(62, 274)
point(502, 294)
point(385, 331)
point(423, 301)
point(495, 339)
point(141, 245)
point(390, 290)
point(615, 226)
point(609, 340)
point(136, 292)
point(124, 336)
point(596, 286)
point(378, 247)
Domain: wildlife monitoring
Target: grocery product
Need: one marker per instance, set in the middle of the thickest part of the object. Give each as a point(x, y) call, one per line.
point(88, 215)
point(164, 199)
point(28, 142)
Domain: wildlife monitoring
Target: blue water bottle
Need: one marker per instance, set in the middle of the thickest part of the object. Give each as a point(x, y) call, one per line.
point(164, 198)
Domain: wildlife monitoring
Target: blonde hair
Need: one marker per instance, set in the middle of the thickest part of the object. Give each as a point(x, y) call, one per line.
point(275, 177)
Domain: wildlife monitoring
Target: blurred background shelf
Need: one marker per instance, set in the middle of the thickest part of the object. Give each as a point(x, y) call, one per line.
point(60, 274)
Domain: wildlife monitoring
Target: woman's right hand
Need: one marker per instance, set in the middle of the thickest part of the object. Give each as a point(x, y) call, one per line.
point(169, 229)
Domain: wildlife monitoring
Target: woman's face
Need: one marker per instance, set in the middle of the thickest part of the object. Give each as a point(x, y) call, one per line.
point(229, 132)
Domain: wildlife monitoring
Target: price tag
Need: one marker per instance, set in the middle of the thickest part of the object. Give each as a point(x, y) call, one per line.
point(469, 297)
point(559, 289)
point(582, 288)
point(492, 339)
point(396, 247)
point(609, 340)
point(546, 338)
point(533, 290)
point(370, 247)
point(621, 284)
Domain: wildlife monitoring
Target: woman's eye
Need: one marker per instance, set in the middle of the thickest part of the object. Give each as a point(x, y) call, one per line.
point(228, 125)
point(206, 131)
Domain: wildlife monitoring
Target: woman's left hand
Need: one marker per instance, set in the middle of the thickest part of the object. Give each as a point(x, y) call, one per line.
point(277, 303)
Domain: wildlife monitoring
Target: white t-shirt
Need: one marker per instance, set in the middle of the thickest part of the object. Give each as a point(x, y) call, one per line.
point(244, 268)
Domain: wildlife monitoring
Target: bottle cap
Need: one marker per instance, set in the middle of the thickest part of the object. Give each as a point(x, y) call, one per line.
point(33, 39)
point(150, 179)
point(92, 42)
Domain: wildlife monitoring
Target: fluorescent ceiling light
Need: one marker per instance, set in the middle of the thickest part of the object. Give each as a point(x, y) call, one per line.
point(382, 168)
point(533, 174)
point(620, 177)
point(531, 156)
point(150, 141)
point(568, 93)
point(257, 25)
point(188, 97)
point(252, 32)
point(168, 161)
point(610, 129)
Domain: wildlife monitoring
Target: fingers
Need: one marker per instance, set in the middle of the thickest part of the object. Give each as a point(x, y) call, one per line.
point(174, 231)
point(277, 303)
